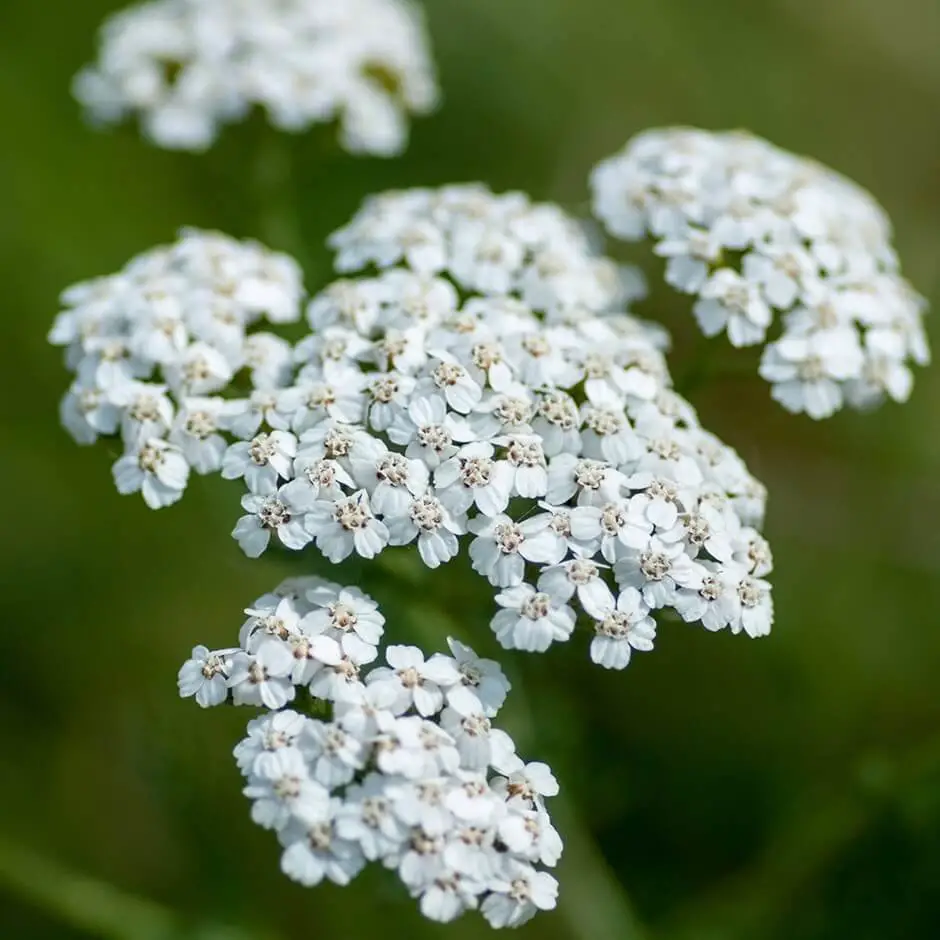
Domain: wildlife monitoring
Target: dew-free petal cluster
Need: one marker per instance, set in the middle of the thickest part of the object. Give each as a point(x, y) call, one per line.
point(155, 347)
point(779, 251)
point(398, 764)
point(186, 67)
point(488, 244)
point(546, 441)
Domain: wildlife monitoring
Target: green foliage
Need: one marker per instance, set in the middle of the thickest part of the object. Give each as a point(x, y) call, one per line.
point(733, 790)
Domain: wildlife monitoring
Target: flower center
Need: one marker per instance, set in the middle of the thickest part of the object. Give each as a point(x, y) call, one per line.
point(427, 513)
point(508, 537)
point(392, 469)
point(384, 390)
point(350, 515)
point(559, 409)
point(261, 450)
point(273, 513)
point(150, 458)
point(476, 471)
point(654, 565)
point(589, 474)
point(616, 625)
point(522, 453)
point(434, 437)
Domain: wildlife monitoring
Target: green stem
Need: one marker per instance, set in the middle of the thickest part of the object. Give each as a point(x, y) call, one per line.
point(99, 909)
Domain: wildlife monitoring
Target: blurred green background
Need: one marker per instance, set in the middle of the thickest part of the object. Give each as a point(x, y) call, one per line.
point(720, 789)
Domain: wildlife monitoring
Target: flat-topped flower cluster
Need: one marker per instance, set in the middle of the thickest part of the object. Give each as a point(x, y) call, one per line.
point(767, 240)
point(403, 766)
point(479, 386)
point(188, 66)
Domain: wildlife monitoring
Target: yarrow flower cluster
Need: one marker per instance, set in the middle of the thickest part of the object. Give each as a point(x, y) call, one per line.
point(488, 244)
point(152, 346)
point(188, 66)
point(397, 764)
point(766, 239)
point(483, 397)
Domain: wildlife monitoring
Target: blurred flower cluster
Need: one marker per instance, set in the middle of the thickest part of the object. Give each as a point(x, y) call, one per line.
point(188, 66)
point(765, 239)
point(402, 765)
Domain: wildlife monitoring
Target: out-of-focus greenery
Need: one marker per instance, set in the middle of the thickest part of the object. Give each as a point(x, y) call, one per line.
point(720, 789)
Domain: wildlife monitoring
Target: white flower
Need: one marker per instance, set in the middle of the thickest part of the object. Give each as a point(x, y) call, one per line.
point(757, 611)
point(594, 482)
point(307, 403)
point(204, 676)
point(147, 410)
point(195, 432)
point(479, 744)
point(346, 526)
point(715, 603)
point(392, 479)
point(419, 750)
point(270, 616)
point(428, 431)
point(473, 477)
point(344, 612)
point(434, 527)
point(448, 896)
point(451, 380)
point(337, 677)
point(807, 370)
point(285, 791)
point(319, 478)
point(612, 526)
point(353, 304)
point(314, 851)
point(201, 370)
point(410, 681)
point(691, 254)
point(482, 684)
point(518, 894)
point(334, 754)
point(531, 834)
point(557, 423)
point(265, 737)
point(282, 513)
point(243, 417)
point(268, 357)
point(489, 244)
point(728, 301)
point(658, 572)
point(526, 459)
point(526, 784)
point(622, 628)
point(580, 576)
point(262, 678)
point(261, 461)
point(531, 620)
point(86, 412)
point(502, 547)
point(366, 817)
point(156, 469)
